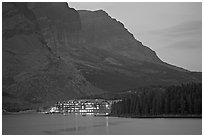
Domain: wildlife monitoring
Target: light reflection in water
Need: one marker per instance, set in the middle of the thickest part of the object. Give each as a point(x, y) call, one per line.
point(106, 121)
point(76, 124)
point(107, 128)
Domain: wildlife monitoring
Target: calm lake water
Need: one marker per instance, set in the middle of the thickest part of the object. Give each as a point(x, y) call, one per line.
point(39, 124)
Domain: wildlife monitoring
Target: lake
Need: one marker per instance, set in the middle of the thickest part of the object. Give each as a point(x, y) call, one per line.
point(39, 124)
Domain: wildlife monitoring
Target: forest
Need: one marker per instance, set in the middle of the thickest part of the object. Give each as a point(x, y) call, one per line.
point(185, 99)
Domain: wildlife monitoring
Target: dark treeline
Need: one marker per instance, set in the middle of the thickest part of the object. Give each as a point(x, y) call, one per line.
point(175, 100)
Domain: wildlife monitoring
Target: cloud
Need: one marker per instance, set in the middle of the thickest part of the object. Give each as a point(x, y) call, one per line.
point(185, 44)
point(183, 28)
point(181, 36)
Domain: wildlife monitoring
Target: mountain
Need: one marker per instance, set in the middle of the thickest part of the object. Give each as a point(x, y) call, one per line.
point(105, 52)
point(52, 52)
point(111, 58)
point(33, 74)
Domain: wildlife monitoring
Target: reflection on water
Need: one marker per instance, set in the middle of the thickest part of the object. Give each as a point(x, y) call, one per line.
point(78, 128)
point(107, 129)
point(75, 129)
point(77, 124)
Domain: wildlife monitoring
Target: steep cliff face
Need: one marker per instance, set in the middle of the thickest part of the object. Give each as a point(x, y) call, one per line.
point(33, 75)
point(60, 25)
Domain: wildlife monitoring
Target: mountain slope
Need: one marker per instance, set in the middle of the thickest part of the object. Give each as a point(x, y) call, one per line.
point(109, 34)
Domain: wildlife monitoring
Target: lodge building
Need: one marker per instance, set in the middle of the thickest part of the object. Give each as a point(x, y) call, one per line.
point(91, 106)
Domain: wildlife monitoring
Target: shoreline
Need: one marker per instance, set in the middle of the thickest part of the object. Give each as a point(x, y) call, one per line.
point(156, 116)
point(113, 115)
point(18, 112)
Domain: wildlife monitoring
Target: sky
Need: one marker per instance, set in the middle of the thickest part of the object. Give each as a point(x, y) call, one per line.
point(172, 29)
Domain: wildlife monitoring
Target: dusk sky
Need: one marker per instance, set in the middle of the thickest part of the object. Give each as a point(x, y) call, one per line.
point(173, 30)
